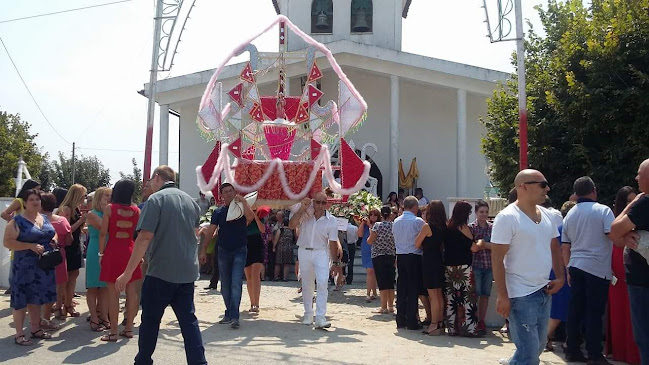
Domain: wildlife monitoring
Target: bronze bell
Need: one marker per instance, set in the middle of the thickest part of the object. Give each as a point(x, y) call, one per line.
point(322, 21)
point(361, 25)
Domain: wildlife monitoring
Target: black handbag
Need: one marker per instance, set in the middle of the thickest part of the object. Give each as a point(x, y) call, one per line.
point(50, 259)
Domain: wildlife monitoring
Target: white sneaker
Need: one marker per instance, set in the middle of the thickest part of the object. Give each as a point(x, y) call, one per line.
point(504, 361)
point(321, 322)
point(308, 319)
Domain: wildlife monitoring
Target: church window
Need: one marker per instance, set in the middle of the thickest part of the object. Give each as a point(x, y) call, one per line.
point(322, 16)
point(362, 16)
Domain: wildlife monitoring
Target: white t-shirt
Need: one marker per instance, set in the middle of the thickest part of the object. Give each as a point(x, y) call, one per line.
point(529, 259)
point(585, 228)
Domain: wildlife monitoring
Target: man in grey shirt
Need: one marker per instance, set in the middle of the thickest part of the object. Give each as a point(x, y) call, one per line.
point(588, 250)
point(167, 228)
point(409, 282)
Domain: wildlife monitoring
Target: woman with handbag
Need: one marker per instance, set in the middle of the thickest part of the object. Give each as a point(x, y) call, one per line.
point(30, 235)
point(64, 232)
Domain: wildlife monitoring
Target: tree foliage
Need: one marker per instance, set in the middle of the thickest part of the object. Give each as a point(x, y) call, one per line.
point(15, 141)
point(588, 96)
point(89, 172)
point(136, 176)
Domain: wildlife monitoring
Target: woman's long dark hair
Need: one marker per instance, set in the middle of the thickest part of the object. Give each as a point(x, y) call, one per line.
point(621, 199)
point(460, 216)
point(60, 194)
point(436, 214)
point(123, 192)
point(27, 185)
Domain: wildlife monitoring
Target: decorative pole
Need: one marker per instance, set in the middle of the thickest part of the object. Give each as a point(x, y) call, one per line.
point(522, 96)
point(153, 78)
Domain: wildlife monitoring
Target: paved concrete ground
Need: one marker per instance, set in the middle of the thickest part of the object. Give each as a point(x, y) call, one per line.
point(275, 336)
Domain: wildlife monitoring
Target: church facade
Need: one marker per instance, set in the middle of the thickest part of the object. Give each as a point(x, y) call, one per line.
point(418, 107)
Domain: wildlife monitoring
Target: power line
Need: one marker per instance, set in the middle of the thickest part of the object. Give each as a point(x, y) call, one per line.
point(116, 150)
point(63, 11)
point(30, 93)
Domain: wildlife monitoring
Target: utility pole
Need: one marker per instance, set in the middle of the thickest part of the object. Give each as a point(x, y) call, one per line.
point(73, 163)
point(522, 95)
point(153, 78)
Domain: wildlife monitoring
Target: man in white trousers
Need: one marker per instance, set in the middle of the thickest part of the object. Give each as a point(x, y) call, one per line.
point(317, 242)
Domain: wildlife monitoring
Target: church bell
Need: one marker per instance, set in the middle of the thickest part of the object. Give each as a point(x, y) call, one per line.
point(322, 22)
point(360, 25)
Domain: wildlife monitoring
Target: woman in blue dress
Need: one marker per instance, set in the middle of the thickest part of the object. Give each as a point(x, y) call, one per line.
point(29, 234)
point(366, 253)
point(97, 296)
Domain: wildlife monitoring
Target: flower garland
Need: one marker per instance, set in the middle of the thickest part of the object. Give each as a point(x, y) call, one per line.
point(358, 206)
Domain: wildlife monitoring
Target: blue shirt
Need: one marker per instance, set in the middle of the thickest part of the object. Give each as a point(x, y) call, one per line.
point(405, 229)
point(233, 234)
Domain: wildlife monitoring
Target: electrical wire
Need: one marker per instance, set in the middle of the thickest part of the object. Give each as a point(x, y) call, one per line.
point(63, 11)
point(30, 93)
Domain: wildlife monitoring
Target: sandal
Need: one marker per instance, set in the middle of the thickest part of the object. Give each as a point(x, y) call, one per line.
point(111, 337)
point(72, 312)
point(59, 313)
point(49, 325)
point(22, 341)
point(106, 324)
point(41, 334)
point(127, 334)
point(368, 299)
point(97, 327)
point(438, 331)
point(380, 311)
point(549, 346)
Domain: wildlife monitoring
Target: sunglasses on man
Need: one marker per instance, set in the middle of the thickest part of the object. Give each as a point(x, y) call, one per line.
point(542, 184)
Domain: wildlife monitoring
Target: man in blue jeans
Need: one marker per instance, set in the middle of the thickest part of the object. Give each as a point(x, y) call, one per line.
point(167, 232)
point(524, 247)
point(633, 218)
point(232, 246)
point(481, 265)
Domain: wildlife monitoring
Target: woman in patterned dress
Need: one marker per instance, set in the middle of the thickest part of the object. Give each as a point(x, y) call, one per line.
point(283, 241)
point(383, 257)
point(29, 234)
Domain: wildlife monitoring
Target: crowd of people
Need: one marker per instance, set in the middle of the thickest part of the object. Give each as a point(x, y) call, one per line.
point(577, 266)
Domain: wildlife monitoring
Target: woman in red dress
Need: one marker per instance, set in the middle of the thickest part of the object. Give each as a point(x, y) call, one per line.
point(119, 222)
point(619, 337)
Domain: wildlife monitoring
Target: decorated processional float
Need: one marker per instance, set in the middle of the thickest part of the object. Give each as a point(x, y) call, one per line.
point(281, 143)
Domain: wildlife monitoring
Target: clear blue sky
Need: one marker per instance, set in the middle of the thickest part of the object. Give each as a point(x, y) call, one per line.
point(85, 67)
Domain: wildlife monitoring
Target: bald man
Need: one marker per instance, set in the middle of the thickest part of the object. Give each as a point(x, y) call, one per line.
point(525, 247)
point(633, 218)
point(317, 242)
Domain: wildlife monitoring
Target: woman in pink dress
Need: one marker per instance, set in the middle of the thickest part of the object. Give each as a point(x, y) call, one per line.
point(64, 233)
point(118, 224)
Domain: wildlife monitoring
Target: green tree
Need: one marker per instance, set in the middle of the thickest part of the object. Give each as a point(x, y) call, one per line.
point(136, 176)
point(47, 174)
point(15, 141)
point(588, 93)
point(89, 172)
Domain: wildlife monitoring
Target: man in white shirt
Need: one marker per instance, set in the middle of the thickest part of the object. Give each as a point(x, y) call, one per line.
point(524, 248)
point(586, 244)
point(318, 240)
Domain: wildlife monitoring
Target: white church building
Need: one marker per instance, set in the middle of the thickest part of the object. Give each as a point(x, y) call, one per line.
point(418, 107)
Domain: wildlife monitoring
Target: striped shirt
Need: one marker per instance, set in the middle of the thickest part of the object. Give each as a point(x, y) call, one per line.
point(405, 229)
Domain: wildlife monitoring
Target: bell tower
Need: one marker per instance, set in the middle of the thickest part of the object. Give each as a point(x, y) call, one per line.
point(371, 22)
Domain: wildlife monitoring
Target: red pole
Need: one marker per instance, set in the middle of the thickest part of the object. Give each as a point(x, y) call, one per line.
point(522, 95)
